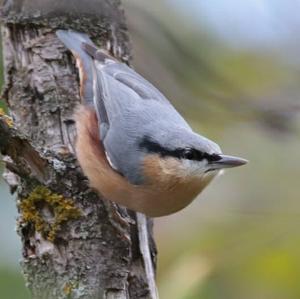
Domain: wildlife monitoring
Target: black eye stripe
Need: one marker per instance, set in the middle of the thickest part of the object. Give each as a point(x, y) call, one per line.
point(180, 153)
point(193, 154)
point(189, 154)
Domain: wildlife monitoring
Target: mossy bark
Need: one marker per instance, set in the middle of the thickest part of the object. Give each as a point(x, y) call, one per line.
point(101, 250)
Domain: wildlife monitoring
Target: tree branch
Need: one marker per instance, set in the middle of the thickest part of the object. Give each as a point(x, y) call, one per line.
point(75, 245)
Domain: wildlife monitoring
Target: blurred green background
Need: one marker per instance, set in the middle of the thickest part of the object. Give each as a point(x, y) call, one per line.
point(233, 69)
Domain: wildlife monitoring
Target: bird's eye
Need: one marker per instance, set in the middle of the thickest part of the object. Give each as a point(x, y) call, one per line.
point(192, 154)
point(189, 154)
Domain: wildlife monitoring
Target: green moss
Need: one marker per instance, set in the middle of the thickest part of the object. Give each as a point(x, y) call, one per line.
point(58, 210)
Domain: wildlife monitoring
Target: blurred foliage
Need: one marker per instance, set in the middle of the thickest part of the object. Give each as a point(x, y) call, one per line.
point(255, 261)
point(240, 239)
point(12, 285)
point(207, 76)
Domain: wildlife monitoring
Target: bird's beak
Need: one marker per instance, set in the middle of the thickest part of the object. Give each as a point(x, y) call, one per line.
point(227, 162)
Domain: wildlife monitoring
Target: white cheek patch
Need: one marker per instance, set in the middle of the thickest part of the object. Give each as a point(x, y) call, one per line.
point(194, 168)
point(188, 168)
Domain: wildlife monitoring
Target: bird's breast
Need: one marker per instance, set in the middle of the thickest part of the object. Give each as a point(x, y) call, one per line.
point(174, 188)
point(164, 191)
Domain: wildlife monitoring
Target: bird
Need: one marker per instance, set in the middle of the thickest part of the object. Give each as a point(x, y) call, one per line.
point(133, 146)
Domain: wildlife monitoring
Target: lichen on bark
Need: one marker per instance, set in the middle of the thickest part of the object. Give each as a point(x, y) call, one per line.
point(47, 211)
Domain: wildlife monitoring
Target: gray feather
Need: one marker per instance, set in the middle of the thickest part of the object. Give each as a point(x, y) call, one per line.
point(130, 108)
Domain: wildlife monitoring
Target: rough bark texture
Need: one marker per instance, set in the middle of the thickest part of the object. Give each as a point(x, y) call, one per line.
point(75, 245)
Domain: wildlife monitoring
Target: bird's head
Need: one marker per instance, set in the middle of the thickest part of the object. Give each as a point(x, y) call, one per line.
point(183, 153)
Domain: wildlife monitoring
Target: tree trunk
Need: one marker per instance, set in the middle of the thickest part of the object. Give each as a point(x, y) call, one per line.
point(75, 244)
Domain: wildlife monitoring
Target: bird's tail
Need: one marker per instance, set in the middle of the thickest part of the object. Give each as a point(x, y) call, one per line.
point(74, 41)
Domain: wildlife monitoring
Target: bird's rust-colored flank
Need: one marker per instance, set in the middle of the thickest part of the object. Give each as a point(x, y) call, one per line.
point(82, 74)
point(165, 190)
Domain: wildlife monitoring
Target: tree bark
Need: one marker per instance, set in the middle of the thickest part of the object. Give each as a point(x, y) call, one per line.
point(75, 244)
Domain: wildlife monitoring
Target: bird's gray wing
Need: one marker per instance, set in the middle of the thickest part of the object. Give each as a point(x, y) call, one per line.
point(125, 75)
point(126, 104)
point(118, 87)
point(131, 79)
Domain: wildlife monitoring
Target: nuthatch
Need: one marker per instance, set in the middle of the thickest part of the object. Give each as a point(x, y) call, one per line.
point(133, 146)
